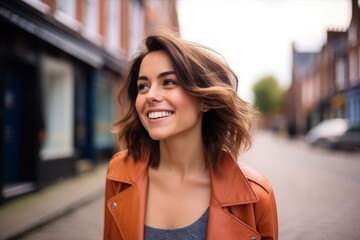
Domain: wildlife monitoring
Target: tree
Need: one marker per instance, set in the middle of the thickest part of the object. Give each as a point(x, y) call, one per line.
point(269, 95)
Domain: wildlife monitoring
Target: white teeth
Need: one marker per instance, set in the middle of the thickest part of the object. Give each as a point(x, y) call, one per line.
point(154, 115)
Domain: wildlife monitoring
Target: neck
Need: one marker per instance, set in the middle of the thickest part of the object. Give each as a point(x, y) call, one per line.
point(182, 157)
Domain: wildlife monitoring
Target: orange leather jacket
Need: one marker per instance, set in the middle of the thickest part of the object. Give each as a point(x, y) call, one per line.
point(242, 203)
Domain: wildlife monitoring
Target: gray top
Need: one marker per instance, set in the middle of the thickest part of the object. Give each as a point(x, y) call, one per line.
point(195, 231)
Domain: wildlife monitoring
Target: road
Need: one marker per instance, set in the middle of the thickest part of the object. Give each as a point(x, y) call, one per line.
point(85, 223)
point(317, 192)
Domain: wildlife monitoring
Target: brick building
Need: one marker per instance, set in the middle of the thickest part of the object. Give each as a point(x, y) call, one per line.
point(326, 84)
point(60, 65)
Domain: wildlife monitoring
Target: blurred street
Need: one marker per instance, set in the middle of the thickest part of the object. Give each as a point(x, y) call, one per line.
point(84, 223)
point(317, 190)
point(64, 62)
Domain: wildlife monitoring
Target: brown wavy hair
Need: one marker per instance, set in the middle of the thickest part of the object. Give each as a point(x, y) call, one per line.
point(203, 74)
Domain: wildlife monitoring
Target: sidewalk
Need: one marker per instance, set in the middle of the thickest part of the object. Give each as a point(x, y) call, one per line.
point(35, 209)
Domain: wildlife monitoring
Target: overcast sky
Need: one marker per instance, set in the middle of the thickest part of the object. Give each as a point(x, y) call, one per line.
point(255, 36)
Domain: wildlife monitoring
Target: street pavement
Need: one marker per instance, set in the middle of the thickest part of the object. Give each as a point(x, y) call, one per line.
point(38, 210)
point(84, 223)
point(317, 192)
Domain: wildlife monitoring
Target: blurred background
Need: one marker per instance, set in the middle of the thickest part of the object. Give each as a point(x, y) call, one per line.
point(61, 62)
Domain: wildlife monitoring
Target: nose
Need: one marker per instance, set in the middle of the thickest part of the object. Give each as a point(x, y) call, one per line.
point(154, 94)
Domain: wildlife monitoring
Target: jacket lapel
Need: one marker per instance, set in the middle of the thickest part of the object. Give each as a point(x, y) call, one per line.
point(229, 188)
point(128, 206)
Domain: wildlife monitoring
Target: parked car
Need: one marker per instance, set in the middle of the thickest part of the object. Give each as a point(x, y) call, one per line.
point(327, 132)
point(335, 133)
point(350, 140)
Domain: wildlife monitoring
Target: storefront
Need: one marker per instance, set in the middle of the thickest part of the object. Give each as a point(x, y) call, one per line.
point(352, 109)
point(57, 100)
point(338, 105)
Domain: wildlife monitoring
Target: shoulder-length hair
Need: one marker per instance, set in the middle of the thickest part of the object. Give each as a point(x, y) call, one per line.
point(201, 73)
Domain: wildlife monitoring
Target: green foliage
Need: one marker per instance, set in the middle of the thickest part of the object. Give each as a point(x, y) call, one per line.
point(269, 96)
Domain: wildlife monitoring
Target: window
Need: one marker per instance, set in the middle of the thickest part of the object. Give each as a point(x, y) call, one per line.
point(358, 78)
point(104, 110)
point(136, 25)
point(58, 100)
point(65, 13)
point(91, 20)
point(340, 74)
point(352, 35)
point(353, 69)
point(66, 6)
point(113, 26)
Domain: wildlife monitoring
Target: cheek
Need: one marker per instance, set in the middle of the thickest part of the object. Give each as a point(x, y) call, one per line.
point(190, 103)
point(138, 105)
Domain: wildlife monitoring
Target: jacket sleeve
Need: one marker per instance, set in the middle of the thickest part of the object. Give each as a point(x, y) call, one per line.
point(107, 215)
point(265, 210)
point(267, 221)
point(110, 228)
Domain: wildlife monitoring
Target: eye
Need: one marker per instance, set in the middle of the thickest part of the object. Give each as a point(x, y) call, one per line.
point(169, 83)
point(142, 87)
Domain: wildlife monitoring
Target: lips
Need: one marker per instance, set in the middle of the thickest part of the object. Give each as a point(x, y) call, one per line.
point(159, 114)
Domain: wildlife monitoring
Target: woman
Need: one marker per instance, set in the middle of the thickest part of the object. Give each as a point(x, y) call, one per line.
point(183, 130)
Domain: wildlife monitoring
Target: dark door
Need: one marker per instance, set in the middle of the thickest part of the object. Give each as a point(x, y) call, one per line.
point(20, 127)
point(11, 127)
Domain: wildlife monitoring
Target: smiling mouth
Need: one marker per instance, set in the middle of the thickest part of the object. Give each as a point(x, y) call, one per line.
point(157, 115)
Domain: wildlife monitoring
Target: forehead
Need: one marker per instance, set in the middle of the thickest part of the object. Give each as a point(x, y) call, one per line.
point(156, 61)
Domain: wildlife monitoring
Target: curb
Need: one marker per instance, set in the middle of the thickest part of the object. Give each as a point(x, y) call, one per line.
point(39, 208)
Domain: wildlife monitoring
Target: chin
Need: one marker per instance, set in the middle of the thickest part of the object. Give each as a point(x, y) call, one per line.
point(158, 136)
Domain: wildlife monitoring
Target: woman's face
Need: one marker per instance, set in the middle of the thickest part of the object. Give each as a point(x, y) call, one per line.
point(165, 109)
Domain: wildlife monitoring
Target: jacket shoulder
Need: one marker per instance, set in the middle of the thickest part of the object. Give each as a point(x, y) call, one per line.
point(122, 167)
point(118, 158)
point(265, 209)
point(256, 178)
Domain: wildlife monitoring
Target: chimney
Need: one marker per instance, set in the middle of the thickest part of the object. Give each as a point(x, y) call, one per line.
point(355, 7)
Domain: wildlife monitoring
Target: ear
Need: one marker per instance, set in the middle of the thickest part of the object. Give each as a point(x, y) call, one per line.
point(204, 107)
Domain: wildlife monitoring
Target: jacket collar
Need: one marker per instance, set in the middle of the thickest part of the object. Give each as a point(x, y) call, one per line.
point(128, 205)
point(222, 183)
point(224, 193)
point(229, 187)
point(123, 168)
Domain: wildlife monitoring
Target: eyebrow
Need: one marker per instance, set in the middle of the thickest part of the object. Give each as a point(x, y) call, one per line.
point(161, 75)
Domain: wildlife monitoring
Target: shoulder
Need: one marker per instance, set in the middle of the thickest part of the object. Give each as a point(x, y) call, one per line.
point(239, 174)
point(265, 209)
point(123, 167)
point(118, 158)
point(265, 206)
point(258, 182)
